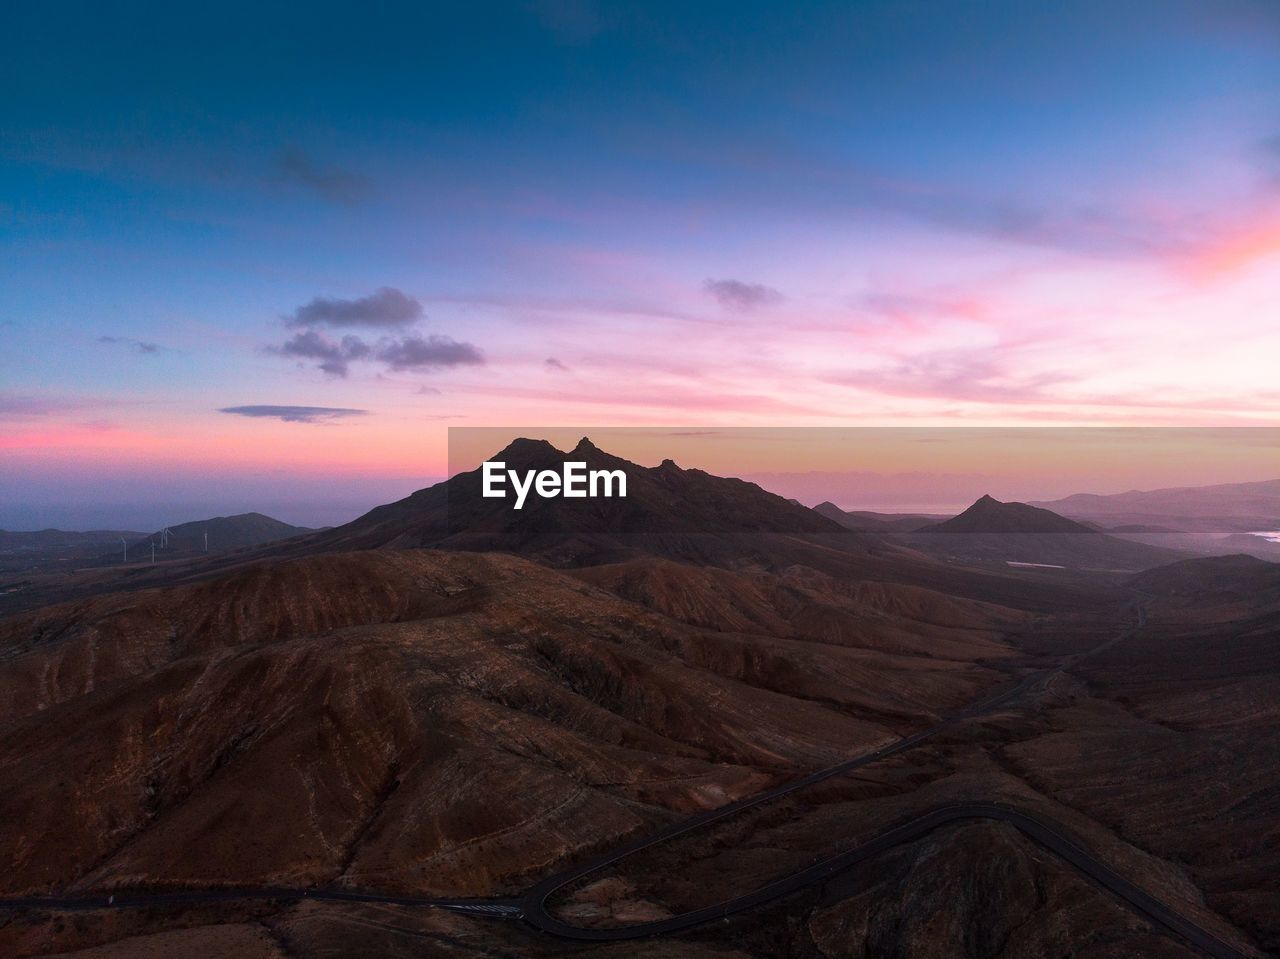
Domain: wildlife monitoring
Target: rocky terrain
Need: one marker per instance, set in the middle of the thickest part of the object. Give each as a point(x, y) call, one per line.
point(344, 711)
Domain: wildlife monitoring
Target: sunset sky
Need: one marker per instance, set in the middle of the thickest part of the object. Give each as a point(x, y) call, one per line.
point(258, 255)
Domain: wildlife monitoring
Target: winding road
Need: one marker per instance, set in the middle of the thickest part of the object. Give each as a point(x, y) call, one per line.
point(532, 909)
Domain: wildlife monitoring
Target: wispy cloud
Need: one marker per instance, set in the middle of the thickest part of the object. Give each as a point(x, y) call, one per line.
point(294, 414)
point(737, 295)
point(17, 404)
point(330, 183)
point(552, 363)
point(386, 307)
point(954, 375)
point(138, 346)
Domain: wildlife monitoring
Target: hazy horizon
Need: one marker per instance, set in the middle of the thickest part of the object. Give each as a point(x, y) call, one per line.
point(873, 492)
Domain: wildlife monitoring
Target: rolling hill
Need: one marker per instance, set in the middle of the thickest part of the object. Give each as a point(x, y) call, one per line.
point(871, 522)
point(219, 534)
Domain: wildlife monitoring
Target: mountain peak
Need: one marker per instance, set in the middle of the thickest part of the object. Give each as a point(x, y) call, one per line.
point(687, 511)
point(525, 443)
point(990, 515)
point(523, 451)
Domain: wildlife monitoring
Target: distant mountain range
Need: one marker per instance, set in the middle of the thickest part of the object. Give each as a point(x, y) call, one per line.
point(1226, 507)
point(687, 515)
point(48, 549)
point(1018, 534)
point(1205, 520)
point(52, 538)
point(1199, 519)
point(691, 515)
point(40, 552)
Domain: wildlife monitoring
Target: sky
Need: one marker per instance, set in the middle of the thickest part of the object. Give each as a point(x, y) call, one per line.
point(253, 255)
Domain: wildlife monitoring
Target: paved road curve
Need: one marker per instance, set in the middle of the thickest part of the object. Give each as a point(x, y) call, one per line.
point(1050, 837)
point(532, 908)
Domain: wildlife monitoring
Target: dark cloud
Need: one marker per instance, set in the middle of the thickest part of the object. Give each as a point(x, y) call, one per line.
point(427, 391)
point(334, 355)
point(405, 353)
point(386, 307)
point(294, 414)
point(736, 295)
point(1098, 229)
point(416, 353)
point(139, 346)
point(552, 363)
point(330, 183)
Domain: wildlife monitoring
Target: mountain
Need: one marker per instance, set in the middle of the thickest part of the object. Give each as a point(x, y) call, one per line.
point(1239, 577)
point(667, 510)
point(849, 520)
point(466, 722)
point(1017, 534)
point(440, 721)
point(682, 514)
point(687, 515)
point(1225, 507)
point(869, 522)
point(219, 534)
point(989, 515)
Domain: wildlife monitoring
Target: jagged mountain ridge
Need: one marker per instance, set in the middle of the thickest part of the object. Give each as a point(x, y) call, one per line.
point(666, 508)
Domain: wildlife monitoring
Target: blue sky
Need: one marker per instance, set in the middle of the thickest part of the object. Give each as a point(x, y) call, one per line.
point(735, 213)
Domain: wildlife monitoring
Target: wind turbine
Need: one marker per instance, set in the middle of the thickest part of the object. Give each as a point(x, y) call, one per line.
point(164, 538)
point(206, 539)
point(153, 552)
point(126, 549)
